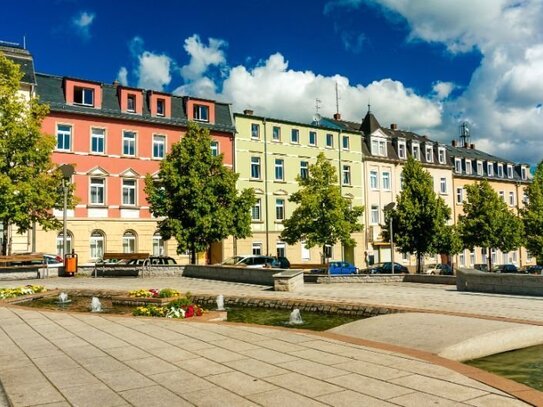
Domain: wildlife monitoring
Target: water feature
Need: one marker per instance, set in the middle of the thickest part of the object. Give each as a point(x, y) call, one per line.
point(96, 305)
point(295, 317)
point(220, 302)
point(63, 299)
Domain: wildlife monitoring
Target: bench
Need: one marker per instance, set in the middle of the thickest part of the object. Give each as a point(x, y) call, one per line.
point(24, 262)
point(121, 263)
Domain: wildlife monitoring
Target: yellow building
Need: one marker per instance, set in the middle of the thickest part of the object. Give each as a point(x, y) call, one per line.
point(270, 154)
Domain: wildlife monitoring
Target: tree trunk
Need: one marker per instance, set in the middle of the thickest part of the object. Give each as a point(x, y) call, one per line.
point(489, 251)
point(419, 257)
point(5, 238)
point(192, 254)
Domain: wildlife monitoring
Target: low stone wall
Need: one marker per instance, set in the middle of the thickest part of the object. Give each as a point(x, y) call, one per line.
point(174, 270)
point(360, 278)
point(429, 279)
point(498, 283)
point(288, 280)
point(261, 276)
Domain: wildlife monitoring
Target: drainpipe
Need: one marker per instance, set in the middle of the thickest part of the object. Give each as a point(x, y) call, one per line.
point(340, 147)
point(234, 152)
point(266, 187)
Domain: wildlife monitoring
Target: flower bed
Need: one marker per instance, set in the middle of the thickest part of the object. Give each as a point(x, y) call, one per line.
point(6, 293)
point(154, 293)
point(180, 307)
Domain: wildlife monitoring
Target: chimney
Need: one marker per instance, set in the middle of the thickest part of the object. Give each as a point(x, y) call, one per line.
point(453, 143)
point(472, 146)
point(337, 116)
point(393, 126)
point(115, 83)
point(248, 112)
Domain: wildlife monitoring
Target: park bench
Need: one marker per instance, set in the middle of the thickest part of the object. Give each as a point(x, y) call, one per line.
point(122, 263)
point(24, 262)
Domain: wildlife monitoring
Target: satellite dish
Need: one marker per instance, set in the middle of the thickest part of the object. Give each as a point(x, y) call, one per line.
point(317, 117)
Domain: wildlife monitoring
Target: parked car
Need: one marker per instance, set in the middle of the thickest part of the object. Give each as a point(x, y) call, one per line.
point(481, 267)
point(505, 268)
point(281, 262)
point(252, 261)
point(341, 267)
point(441, 269)
point(535, 269)
point(386, 268)
point(153, 260)
point(53, 260)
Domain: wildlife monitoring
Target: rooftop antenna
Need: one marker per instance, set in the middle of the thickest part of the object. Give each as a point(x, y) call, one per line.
point(337, 99)
point(464, 134)
point(317, 117)
point(24, 41)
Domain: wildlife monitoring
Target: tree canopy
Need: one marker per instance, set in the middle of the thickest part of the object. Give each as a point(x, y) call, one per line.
point(419, 219)
point(532, 215)
point(196, 195)
point(487, 222)
point(322, 216)
point(30, 186)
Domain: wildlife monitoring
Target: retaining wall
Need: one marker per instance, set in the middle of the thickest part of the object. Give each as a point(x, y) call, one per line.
point(261, 276)
point(479, 281)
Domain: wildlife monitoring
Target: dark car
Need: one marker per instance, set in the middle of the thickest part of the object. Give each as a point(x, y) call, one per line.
point(281, 262)
point(481, 267)
point(506, 268)
point(153, 260)
point(535, 269)
point(386, 268)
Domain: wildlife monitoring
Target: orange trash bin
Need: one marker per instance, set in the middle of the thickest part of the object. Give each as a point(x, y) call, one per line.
point(70, 264)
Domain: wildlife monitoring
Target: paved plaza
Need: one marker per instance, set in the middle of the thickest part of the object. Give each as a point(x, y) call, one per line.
point(59, 359)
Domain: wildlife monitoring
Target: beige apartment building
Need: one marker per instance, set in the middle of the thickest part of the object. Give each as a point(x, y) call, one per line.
point(270, 154)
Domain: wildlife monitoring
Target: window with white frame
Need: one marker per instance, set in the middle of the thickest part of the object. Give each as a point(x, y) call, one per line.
point(468, 166)
point(386, 180)
point(494, 255)
point(523, 173)
point(490, 169)
point(374, 215)
point(378, 146)
point(279, 209)
point(525, 197)
point(479, 168)
point(441, 155)
point(429, 154)
point(200, 113)
point(97, 186)
point(281, 249)
point(129, 242)
point(509, 171)
point(96, 243)
point(373, 180)
point(295, 136)
point(306, 253)
point(345, 142)
point(215, 151)
point(160, 107)
point(472, 257)
point(158, 245)
point(502, 195)
point(401, 181)
point(458, 165)
point(131, 104)
point(312, 138)
point(514, 257)
point(257, 249)
point(83, 96)
point(255, 167)
point(256, 210)
point(60, 243)
point(98, 137)
point(402, 150)
point(346, 171)
point(64, 137)
point(462, 258)
point(415, 151)
point(443, 185)
point(129, 143)
point(459, 195)
point(279, 169)
point(512, 198)
point(500, 170)
point(276, 133)
point(159, 144)
point(304, 169)
point(329, 140)
point(129, 191)
point(255, 130)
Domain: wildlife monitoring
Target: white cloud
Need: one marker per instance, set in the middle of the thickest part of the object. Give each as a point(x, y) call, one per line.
point(153, 71)
point(122, 76)
point(82, 23)
point(202, 56)
point(442, 90)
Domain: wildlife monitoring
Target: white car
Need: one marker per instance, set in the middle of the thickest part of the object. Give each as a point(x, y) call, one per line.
point(250, 261)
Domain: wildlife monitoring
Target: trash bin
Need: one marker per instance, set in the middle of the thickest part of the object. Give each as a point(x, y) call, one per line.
point(70, 264)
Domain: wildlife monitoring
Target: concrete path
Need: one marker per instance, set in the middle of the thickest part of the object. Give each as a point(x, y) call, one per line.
point(61, 359)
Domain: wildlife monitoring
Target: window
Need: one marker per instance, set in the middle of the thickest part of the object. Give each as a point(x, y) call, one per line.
point(281, 249)
point(443, 185)
point(525, 197)
point(511, 198)
point(415, 151)
point(129, 143)
point(345, 142)
point(441, 155)
point(60, 243)
point(502, 195)
point(509, 171)
point(458, 165)
point(96, 245)
point(201, 113)
point(255, 130)
point(131, 104)
point(374, 215)
point(280, 209)
point(215, 148)
point(373, 180)
point(429, 154)
point(329, 140)
point(257, 249)
point(97, 191)
point(494, 255)
point(159, 142)
point(304, 169)
point(160, 104)
point(312, 138)
point(64, 137)
point(479, 168)
point(490, 169)
point(256, 210)
point(378, 147)
point(306, 253)
point(129, 192)
point(276, 133)
point(129, 242)
point(462, 258)
point(279, 169)
point(523, 173)
point(84, 96)
point(472, 257)
point(346, 171)
point(98, 137)
point(255, 167)
point(386, 180)
point(468, 167)
point(459, 195)
point(401, 150)
point(500, 170)
point(295, 136)
point(158, 245)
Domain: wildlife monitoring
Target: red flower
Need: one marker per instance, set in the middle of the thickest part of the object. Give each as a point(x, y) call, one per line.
point(199, 311)
point(155, 292)
point(190, 312)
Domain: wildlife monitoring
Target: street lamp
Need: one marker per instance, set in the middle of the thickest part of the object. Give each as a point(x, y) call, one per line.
point(67, 172)
point(389, 207)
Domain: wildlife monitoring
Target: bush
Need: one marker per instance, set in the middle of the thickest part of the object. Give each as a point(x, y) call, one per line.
point(168, 292)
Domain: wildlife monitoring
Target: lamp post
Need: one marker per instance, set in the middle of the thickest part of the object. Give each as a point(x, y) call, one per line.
point(67, 172)
point(389, 207)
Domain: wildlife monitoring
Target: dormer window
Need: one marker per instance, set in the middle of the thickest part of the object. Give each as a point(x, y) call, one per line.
point(509, 171)
point(523, 173)
point(415, 151)
point(429, 154)
point(458, 165)
point(441, 155)
point(500, 170)
point(401, 149)
point(84, 96)
point(201, 113)
point(160, 107)
point(378, 147)
point(479, 168)
point(468, 166)
point(131, 104)
point(490, 169)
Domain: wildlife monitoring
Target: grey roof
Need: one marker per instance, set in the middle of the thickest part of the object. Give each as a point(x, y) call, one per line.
point(21, 57)
point(50, 90)
point(369, 124)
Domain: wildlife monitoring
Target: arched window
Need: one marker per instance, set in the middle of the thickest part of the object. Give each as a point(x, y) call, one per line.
point(129, 242)
point(97, 244)
point(60, 243)
point(158, 245)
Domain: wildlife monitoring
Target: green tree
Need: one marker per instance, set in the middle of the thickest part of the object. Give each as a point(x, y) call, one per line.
point(196, 196)
point(419, 219)
point(487, 222)
point(30, 186)
point(532, 215)
point(323, 217)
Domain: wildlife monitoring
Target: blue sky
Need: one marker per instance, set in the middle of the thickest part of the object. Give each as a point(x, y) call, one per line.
point(424, 65)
